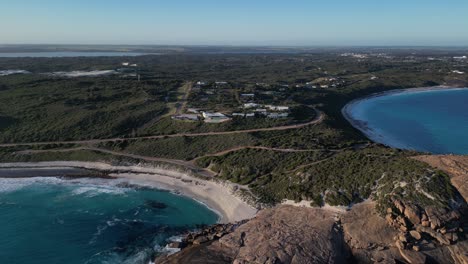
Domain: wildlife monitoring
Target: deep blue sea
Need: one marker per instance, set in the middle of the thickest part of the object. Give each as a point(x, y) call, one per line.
point(431, 121)
point(50, 220)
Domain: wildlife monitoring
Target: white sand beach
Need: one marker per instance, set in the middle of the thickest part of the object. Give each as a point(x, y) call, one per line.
point(219, 197)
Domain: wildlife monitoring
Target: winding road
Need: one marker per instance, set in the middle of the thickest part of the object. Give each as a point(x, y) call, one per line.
point(191, 165)
point(319, 117)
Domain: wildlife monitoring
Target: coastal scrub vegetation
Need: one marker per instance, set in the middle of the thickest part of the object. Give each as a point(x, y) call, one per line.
point(330, 162)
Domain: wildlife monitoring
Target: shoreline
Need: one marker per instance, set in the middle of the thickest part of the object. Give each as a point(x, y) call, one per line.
point(220, 198)
point(370, 133)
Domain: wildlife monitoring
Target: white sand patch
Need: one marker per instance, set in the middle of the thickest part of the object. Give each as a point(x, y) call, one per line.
point(308, 204)
point(11, 72)
point(83, 73)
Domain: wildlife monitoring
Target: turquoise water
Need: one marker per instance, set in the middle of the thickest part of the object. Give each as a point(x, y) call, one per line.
point(49, 220)
point(429, 121)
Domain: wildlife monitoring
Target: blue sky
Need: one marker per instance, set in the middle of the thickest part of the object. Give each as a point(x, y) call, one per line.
point(235, 22)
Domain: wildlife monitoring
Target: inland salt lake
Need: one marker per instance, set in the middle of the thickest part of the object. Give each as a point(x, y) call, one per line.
point(427, 120)
point(58, 54)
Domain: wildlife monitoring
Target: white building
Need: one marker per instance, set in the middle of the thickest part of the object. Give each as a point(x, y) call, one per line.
point(125, 63)
point(251, 105)
point(193, 110)
point(214, 117)
point(277, 115)
point(190, 117)
point(277, 108)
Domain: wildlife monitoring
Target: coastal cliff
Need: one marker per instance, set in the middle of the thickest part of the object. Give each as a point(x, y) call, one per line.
point(407, 233)
point(289, 234)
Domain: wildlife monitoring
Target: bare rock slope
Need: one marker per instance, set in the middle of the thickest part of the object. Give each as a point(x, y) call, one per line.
point(285, 234)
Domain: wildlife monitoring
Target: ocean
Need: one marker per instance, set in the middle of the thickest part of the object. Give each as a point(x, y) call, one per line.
point(51, 220)
point(434, 121)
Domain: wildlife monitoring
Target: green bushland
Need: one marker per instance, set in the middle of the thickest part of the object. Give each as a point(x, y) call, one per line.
point(337, 178)
point(38, 107)
point(166, 126)
point(77, 108)
point(185, 148)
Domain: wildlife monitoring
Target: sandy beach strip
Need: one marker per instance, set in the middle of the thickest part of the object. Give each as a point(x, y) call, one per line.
point(220, 197)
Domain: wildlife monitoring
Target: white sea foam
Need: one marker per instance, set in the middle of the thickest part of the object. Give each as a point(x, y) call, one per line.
point(89, 187)
point(14, 184)
point(92, 191)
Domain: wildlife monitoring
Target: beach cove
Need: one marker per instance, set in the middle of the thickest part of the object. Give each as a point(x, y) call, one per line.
point(433, 120)
point(137, 208)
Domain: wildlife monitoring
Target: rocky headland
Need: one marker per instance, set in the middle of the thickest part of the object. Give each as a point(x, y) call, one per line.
point(406, 233)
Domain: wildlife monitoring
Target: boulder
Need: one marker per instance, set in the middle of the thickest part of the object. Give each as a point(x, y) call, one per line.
point(399, 205)
point(413, 214)
point(200, 240)
point(438, 236)
point(389, 219)
point(415, 234)
point(402, 238)
point(176, 245)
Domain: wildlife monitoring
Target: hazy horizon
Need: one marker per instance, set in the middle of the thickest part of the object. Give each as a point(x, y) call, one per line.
point(239, 23)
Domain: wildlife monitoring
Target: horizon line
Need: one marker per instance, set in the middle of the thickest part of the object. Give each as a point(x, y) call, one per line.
point(239, 45)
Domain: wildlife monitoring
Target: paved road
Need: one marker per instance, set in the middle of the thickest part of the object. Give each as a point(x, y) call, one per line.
point(319, 118)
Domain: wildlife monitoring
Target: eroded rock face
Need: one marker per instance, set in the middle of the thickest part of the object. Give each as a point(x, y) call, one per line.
point(285, 234)
point(288, 235)
point(369, 236)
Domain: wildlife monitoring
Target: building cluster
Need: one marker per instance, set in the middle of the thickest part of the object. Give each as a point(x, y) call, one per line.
point(248, 108)
point(269, 111)
point(355, 55)
point(325, 82)
point(207, 117)
point(128, 64)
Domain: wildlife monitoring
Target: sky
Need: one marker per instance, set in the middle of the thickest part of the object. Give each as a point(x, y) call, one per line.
point(235, 22)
